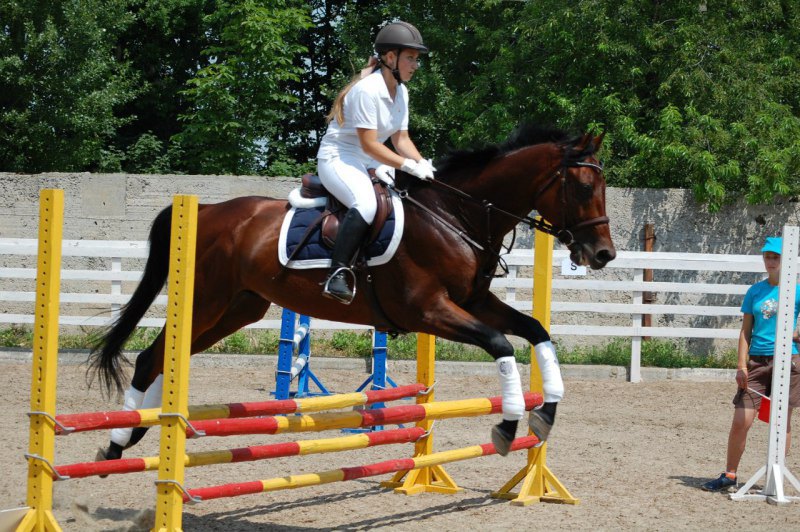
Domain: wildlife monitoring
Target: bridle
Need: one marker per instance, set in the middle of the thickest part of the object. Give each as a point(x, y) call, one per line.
point(564, 234)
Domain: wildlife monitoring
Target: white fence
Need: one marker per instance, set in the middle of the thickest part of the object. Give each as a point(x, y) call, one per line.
point(612, 300)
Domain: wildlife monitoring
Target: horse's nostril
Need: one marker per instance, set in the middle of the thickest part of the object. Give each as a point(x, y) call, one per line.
point(606, 255)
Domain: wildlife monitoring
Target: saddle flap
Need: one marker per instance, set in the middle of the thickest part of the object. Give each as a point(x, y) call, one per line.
point(334, 212)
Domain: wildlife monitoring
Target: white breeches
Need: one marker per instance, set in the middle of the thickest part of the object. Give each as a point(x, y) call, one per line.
point(347, 179)
point(511, 389)
point(552, 383)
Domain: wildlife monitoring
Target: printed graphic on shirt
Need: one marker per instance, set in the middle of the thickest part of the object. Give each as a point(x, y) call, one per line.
point(769, 308)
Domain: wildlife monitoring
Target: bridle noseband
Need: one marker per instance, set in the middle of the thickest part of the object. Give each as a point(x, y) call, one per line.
point(565, 234)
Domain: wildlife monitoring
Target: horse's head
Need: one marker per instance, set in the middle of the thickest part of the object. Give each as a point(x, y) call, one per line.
point(573, 200)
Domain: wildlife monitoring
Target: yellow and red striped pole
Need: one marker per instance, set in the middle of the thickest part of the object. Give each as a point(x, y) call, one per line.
point(247, 454)
point(393, 415)
point(352, 473)
point(149, 417)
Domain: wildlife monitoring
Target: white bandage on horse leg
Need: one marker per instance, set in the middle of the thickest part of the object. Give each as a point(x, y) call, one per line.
point(511, 388)
point(552, 384)
point(133, 401)
point(152, 397)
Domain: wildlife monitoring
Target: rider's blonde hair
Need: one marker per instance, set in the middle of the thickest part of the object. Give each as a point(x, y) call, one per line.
point(337, 109)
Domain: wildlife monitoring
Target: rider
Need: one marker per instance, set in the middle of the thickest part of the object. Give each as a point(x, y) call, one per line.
point(370, 109)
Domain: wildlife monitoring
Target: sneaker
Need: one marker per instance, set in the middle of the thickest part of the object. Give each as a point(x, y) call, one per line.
point(723, 483)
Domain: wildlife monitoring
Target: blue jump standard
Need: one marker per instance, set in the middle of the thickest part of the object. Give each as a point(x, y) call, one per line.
point(296, 336)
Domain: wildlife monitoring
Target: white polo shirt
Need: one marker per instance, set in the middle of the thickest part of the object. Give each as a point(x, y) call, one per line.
point(368, 106)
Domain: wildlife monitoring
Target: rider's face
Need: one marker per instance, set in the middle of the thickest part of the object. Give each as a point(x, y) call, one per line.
point(408, 63)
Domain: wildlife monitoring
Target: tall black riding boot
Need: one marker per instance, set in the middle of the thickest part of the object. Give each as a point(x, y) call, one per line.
point(351, 235)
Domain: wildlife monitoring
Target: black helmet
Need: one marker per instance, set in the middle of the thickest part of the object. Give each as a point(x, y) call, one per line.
point(399, 35)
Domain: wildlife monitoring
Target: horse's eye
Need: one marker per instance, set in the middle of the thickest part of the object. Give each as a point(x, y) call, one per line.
point(584, 191)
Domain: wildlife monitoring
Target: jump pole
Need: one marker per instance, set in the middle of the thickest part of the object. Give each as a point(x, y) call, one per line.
point(775, 468)
point(538, 482)
point(41, 451)
point(178, 338)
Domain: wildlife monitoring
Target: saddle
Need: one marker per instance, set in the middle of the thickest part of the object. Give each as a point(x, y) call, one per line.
point(311, 187)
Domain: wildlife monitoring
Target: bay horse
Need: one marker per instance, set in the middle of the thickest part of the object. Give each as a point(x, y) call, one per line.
point(437, 282)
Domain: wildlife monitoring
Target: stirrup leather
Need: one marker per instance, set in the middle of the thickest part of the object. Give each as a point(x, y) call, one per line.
point(326, 288)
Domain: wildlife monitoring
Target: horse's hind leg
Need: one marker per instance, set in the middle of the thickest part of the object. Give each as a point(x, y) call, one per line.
point(147, 381)
point(144, 392)
point(246, 308)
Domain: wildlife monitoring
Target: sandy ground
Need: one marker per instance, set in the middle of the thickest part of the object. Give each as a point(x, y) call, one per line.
point(634, 454)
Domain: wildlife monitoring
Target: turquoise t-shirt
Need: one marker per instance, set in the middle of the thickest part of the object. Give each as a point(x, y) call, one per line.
point(761, 300)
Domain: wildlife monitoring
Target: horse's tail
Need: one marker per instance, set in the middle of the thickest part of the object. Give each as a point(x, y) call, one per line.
point(105, 359)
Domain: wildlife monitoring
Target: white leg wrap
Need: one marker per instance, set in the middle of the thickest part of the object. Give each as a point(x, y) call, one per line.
point(152, 397)
point(511, 388)
point(133, 401)
point(552, 384)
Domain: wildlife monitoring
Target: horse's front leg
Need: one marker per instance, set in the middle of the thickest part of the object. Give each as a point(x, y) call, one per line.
point(493, 312)
point(449, 321)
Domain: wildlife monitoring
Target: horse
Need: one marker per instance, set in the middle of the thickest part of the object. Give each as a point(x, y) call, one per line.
point(437, 282)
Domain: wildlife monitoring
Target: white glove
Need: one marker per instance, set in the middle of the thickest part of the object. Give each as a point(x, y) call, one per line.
point(428, 163)
point(422, 169)
point(385, 173)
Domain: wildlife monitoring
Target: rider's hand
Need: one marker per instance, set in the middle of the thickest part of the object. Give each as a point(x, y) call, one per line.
point(427, 163)
point(421, 170)
point(385, 173)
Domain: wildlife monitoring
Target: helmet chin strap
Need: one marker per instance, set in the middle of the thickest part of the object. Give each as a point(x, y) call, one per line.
point(395, 71)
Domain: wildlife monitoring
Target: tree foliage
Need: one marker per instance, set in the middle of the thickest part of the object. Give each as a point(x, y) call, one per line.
point(60, 83)
point(701, 95)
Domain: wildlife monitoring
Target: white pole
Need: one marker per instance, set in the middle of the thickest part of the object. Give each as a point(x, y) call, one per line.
point(775, 467)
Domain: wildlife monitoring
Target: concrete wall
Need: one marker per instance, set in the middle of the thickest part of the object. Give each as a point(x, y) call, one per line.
point(121, 207)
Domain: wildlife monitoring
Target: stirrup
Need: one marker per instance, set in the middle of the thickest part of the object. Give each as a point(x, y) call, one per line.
point(326, 288)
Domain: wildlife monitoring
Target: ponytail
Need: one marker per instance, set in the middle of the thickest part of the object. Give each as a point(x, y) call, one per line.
point(337, 109)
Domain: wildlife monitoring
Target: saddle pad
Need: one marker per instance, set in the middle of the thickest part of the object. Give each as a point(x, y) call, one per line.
point(316, 255)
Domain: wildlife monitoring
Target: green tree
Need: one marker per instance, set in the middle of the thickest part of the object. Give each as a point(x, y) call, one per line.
point(163, 44)
point(238, 98)
point(60, 84)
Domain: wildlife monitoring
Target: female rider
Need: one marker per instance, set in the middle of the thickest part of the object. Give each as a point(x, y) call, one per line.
point(369, 110)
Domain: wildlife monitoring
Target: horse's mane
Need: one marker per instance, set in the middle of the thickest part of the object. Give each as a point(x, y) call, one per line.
point(525, 135)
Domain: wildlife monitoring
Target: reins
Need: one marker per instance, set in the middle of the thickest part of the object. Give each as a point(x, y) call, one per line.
point(564, 234)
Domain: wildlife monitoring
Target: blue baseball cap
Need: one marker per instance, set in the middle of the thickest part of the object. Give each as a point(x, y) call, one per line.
point(774, 244)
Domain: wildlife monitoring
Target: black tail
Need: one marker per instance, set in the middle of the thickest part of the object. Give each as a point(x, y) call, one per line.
point(105, 359)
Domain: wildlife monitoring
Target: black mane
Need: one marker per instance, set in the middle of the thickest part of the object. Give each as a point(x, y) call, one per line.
point(525, 135)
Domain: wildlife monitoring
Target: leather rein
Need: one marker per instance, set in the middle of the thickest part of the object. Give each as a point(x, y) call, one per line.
point(564, 233)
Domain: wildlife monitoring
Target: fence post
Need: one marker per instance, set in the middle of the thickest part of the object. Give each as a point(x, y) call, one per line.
point(648, 297)
point(636, 322)
point(116, 286)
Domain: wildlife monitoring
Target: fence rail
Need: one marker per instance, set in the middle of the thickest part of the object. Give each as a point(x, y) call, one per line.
point(618, 302)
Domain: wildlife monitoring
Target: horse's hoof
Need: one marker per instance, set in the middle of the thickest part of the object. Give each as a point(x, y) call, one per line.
point(501, 440)
point(101, 457)
point(540, 425)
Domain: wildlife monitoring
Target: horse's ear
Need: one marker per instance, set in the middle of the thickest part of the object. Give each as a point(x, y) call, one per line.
point(585, 139)
point(598, 141)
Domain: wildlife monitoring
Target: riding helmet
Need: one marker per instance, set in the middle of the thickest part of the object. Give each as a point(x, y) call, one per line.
point(399, 35)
